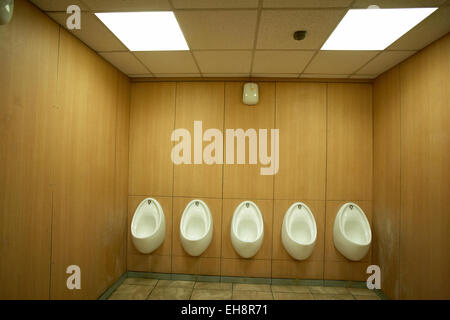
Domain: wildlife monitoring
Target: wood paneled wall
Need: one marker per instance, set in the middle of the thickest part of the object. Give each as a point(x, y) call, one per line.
point(64, 121)
point(412, 190)
point(314, 119)
point(27, 123)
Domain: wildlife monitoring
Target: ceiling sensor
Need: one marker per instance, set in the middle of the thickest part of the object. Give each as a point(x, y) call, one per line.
point(299, 35)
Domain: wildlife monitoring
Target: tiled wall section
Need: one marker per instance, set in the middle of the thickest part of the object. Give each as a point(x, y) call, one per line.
point(325, 137)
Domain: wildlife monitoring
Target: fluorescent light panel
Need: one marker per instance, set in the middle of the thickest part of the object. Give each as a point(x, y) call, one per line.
point(146, 31)
point(374, 29)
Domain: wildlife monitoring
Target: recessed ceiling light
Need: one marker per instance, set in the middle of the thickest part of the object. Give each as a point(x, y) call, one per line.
point(374, 29)
point(146, 31)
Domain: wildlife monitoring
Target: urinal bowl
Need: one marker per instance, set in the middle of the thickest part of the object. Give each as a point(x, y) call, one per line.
point(351, 233)
point(148, 227)
point(247, 229)
point(196, 228)
point(299, 231)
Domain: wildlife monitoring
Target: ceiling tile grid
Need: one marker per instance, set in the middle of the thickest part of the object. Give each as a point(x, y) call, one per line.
point(93, 32)
point(339, 62)
point(168, 61)
point(277, 27)
point(221, 29)
point(125, 62)
point(224, 61)
point(384, 61)
point(239, 38)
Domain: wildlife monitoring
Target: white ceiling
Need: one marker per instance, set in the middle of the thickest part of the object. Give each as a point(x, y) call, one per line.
point(241, 38)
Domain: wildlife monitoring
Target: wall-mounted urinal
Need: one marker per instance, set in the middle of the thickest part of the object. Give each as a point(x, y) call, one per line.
point(148, 227)
point(351, 233)
point(299, 231)
point(196, 228)
point(247, 229)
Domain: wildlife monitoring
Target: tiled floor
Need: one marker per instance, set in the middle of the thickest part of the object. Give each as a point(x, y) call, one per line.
point(153, 289)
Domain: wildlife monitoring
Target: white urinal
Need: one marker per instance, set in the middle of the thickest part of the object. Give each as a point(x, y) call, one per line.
point(299, 231)
point(247, 229)
point(148, 227)
point(351, 233)
point(196, 228)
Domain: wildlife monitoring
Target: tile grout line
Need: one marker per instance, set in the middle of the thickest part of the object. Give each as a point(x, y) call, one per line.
point(172, 7)
point(173, 182)
point(255, 39)
point(223, 179)
point(326, 182)
point(53, 191)
point(273, 183)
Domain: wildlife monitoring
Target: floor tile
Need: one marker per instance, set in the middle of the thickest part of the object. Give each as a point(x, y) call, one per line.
point(333, 297)
point(329, 290)
point(366, 297)
point(252, 295)
point(292, 296)
point(175, 284)
point(214, 285)
point(141, 281)
point(251, 287)
point(211, 294)
point(362, 292)
point(170, 293)
point(131, 292)
point(290, 288)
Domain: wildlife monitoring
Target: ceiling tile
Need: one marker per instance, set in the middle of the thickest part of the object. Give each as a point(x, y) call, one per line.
point(398, 3)
point(209, 29)
point(196, 4)
point(281, 61)
point(275, 75)
point(125, 62)
point(339, 62)
point(57, 5)
point(429, 30)
point(323, 76)
point(93, 32)
point(127, 5)
point(363, 76)
point(306, 3)
point(278, 26)
point(147, 75)
point(177, 75)
point(224, 61)
point(384, 61)
point(226, 75)
point(168, 61)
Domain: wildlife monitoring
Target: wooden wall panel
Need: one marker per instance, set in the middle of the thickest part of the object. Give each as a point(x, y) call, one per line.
point(199, 101)
point(28, 64)
point(151, 124)
point(386, 176)
point(349, 142)
point(122, 154)
point(243, 180)
point(85, 197)
point(301, 117)
point(425, 174)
